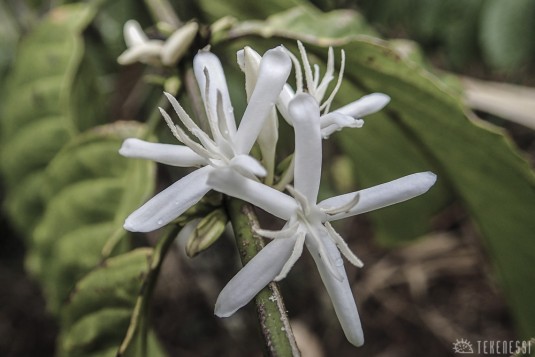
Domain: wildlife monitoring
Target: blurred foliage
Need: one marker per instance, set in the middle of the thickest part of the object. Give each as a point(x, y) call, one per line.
point(68, 191)
point(499, 32)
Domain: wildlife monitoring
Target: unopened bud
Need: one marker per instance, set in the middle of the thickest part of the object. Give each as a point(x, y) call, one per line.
point(178, 43)
point(207, 232)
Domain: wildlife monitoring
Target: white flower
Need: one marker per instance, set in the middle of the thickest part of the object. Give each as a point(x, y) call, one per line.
point(347, 116)
point(308, 222)
point(227, 147)
point(156, 52)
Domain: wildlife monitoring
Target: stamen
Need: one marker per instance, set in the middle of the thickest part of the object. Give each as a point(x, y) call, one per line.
point(298, 72)
point(296, 253)
point(307, 68)
point(287, 176)
point(184, 138)
point(327, 78)
point(316, 77)
point(327, 104)
point(342, 245)
point(207, 142)
point(222, 118)
point(300, 198)
point(212, 122)
point(182, 115)
point(283, 233)
point(343, 208)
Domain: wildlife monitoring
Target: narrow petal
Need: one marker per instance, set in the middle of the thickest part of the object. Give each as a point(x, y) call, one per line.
point(285, 97)
point(231, 183)
point(178, 43)
point(339, 291)
point(207, 60)
point(174, 155)
point(382, 195)
point(296, 254)
point(170, 203)
point(254, 276)
point(274, 71)
point(148, 52)
point(267, 141)
point(248, 164)
point(366, 105)
point(305, 113)
point(249, 62)
point(133, 34)
point(335, 121)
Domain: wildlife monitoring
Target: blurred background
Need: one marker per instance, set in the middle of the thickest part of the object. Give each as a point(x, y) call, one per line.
point(456, 263)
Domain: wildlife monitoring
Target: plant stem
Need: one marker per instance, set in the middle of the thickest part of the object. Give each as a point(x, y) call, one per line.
point(272, 316)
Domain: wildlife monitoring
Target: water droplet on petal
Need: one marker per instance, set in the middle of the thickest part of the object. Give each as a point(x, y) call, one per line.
point(339, 262)
point(160, 222)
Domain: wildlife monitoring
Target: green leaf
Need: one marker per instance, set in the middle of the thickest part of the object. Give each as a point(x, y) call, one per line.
point(216, 9)
point(90, 189)
point(99, 311)
point(134, 342)
point(427, 127)
point(41, 106)
point(507, 33)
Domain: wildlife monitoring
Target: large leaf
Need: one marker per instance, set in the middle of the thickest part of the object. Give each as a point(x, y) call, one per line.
point(98, 314)
point(90, 189)
point(507, 33)
point(216, 9)
point(42, 106)
point(473, 160)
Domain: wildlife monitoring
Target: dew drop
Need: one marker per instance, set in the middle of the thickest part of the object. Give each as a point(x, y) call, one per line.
point(339, 262)
point(160, 222)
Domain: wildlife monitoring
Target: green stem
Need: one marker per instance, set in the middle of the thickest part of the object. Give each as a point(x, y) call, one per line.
point(272, 316)
point(140, 315)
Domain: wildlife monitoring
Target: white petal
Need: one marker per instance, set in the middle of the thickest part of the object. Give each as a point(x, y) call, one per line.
point(248, 164)
point(305, 114)
point(147, 52)
point(267, 141)
point(231, 183)
point(366, 105)
point(207, 60)
point(175, 155)
point(254, 276)
point(383, 195)
point(178, 43)
point(335, 121)
point(274, 71)
point(339, 291)
point(249, 62)
point(285, 97)
point(170, 203)
point(133, 34)
point(296, 254)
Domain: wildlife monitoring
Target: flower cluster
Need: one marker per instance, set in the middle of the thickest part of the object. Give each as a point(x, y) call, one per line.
point(224, 164)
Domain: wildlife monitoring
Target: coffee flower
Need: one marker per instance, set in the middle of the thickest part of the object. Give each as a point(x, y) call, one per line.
point(153, 51)
point(226, 148)
point(348, 116)
point(308, 222)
